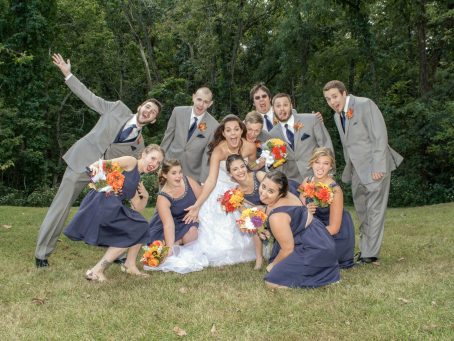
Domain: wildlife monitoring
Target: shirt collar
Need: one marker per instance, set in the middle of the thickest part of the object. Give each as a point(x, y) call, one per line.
point(290, 122)
point(199, 118)
point(347, 100)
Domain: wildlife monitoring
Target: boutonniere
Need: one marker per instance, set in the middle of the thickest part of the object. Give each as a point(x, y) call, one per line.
point(349, 113)
point(202, 126)
point(297, 126)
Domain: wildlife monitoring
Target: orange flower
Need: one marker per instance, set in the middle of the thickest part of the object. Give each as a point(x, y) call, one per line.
point(307, 189)
point(349, 113)
point(298, 125)
point(153, 262)
point(202, 126)
point(323, 194)
point(116, 180)
point(157, 243)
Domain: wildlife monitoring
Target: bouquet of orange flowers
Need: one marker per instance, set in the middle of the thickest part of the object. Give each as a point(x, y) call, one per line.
point(154, 253)
point(109, 177)
point(319, 193)
point(274, 152)
point(231, 200)
point(252, 220)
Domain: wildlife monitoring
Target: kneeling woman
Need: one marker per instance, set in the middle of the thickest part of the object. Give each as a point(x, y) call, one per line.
point(177, 193)
point(104, 220)
point(304, 256)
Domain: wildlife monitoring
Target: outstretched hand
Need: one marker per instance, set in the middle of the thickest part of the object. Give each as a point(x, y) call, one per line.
point(192, 216)
point(65, 67)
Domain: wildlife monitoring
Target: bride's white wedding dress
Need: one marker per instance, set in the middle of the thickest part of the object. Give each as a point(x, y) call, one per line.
point(220, 242)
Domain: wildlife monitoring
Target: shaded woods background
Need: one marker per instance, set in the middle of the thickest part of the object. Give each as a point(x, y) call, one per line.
point(397, 52)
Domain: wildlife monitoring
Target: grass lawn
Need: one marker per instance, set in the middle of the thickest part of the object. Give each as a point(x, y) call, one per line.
point(409, 296)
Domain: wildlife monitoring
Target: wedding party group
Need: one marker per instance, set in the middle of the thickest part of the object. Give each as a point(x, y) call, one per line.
point(239, 190)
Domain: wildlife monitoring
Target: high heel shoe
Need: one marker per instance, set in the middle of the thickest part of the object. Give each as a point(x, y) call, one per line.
point(128, 271)
point(91, 276)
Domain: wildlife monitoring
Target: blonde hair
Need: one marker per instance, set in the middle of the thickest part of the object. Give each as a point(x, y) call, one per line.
point(253, 117)
point(166, 166)
point(151, 147)
point(323, 151)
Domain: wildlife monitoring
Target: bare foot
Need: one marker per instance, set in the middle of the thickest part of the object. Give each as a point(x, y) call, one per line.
point(258, 263)
point(133, 270)
point(90, 275)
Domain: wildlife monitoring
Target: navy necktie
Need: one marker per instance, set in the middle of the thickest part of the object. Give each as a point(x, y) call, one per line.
point(269, 125)
point(123, 135)
point(192, 128)
point(342, 115)
point(290, 136)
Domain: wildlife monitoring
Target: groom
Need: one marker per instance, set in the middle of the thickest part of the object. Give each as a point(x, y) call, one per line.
point(302, 132)
point(117, 133)
point(369, 161)
point(188, 133)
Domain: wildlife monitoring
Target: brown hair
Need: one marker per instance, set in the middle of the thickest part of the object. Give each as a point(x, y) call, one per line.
point(235, 157)
point(257, 87)
point(280, 95)
point(335, 84)
point(166, 166)
point(253, 117)
point(322, 151)
point(218, 137)
point(279, 179)
point(154, 101)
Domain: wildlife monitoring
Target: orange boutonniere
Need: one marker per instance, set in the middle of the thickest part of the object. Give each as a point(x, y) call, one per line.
point(297, 126)
point(202, 126)
point(349, 113)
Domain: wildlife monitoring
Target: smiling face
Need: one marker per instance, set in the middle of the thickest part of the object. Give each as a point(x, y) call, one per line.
point(152, 161)
point(321, 167)
point(262, 102)
point(238, 170)
point(202, 100)
point(269, 191)
point(282, 108)
point(147, 113)
point(232, 133)
point(335, 99)
point(253, 130)
point(174, 176)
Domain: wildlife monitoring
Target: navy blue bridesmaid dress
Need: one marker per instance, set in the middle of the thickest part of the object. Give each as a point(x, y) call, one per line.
point(313, 262)
point(177, 206)
point(104, 220)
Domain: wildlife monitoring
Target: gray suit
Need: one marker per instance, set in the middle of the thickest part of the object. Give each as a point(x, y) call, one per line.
point(192, 153)
point(313, 134)
point(98, 143)
point(366, 150)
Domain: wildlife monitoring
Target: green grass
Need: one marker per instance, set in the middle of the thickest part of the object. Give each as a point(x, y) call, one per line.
point(410, 296)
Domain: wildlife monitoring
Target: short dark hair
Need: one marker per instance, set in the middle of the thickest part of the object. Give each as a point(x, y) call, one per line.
point(280, 95)
point(257, 87)
point(335, 84)
point(154, 101)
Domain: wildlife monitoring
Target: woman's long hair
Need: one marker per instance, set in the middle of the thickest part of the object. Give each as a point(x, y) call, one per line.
point(218, 137)
point(165, 168)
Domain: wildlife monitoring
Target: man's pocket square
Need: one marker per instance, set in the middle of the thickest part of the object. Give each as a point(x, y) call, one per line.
point(304, 136)
point(201, 136)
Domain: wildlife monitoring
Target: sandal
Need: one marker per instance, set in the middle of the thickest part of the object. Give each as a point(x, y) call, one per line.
point(128, 271)
point(91, 276)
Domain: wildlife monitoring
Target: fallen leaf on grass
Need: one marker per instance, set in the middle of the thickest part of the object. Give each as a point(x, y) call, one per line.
point(183, 290)
point(179, 331)
point(403, 300)
point(401, 259)
point(213, 330)
point(39, 301)
point(7, 226)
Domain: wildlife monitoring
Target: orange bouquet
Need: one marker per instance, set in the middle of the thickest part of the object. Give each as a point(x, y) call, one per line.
point(231, 200)
point(154, 253)
point(109, 177)
point(321, 194)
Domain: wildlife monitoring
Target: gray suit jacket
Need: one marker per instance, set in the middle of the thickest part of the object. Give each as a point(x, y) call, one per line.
point(193, 153)
point(98, 143)
point(313, 134)
point(365, 142)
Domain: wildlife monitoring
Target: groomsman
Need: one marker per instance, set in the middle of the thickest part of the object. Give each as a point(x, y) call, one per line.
point(117, 133)
point(261, 99)
point(369, 161)
point(188, 133)
point(302, 132)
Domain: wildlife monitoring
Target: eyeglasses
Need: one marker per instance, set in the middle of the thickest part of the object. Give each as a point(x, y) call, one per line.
point(258, 97)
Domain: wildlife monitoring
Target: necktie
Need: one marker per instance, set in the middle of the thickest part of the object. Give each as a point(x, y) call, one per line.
point(343, 120)
point(123, 135)
point(192, 128)
point(269, 125)
point(290, 136)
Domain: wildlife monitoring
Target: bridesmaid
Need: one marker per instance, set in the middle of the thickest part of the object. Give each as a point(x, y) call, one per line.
point(104, 220)
point(338, 221)
point(304, 256)
point(177, 193)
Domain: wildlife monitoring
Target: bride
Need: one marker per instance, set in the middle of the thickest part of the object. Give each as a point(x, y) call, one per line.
point(220, 242)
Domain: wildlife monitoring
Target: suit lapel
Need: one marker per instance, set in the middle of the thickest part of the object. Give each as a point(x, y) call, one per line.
point(351, 103)
point(187, 124)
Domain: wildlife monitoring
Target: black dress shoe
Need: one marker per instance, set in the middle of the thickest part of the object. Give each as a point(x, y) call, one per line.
point(368, 260)
point(41, 263)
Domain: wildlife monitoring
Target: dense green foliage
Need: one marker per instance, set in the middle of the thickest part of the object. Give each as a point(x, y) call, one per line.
point(397, 52)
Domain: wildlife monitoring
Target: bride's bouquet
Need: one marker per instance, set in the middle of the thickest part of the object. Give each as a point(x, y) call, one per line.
point(109, 177)
point(231, 200)
point(319, 193)
point(252, 220)
point(154, 253)
point(274, 151)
